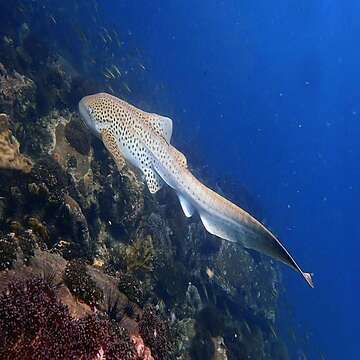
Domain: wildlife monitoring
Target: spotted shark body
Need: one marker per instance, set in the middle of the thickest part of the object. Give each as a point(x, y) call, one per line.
point(143, 139)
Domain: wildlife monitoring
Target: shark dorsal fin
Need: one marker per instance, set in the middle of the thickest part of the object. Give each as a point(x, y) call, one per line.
point(162, 125)
point(180, 157)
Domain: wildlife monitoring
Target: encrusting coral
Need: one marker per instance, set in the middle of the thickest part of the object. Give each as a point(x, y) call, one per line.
point(10, 156)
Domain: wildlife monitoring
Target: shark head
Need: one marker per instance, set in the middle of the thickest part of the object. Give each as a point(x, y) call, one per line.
point(96, 112)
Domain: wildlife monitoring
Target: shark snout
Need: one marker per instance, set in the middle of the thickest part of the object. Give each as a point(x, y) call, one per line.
point(86, 114)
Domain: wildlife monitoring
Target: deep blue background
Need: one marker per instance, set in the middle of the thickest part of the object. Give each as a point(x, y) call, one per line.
point(268, 93)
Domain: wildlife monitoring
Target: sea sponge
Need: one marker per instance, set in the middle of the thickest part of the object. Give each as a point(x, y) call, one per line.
point(10, 156)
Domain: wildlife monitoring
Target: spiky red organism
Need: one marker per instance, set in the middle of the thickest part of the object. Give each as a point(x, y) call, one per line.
point(35, 325)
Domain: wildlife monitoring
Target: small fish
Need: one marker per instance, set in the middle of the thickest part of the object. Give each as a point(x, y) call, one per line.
point(273, 331)
point(117, 70)
point(53, 19)
point(248, 328)
point(103, 38)
point(108, 76)
point(110, 73)
point(142, 67)
point(126, 86)
point(8, 40)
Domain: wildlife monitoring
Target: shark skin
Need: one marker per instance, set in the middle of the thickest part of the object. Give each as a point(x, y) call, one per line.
point(143, 140)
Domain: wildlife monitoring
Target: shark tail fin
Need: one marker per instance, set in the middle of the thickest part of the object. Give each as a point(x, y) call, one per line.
point(308, 278)
point(246, 230)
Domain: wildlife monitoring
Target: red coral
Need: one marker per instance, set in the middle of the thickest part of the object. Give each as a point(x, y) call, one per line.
point(35, 325)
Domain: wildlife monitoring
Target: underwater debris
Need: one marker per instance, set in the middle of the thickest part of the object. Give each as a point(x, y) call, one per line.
point(81, 284)
point(10, 156)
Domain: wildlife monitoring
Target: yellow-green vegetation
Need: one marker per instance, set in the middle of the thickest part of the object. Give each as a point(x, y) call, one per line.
point(39, 228)
point(139, 255)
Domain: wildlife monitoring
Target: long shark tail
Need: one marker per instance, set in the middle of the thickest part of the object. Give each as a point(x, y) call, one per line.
point(245, 229)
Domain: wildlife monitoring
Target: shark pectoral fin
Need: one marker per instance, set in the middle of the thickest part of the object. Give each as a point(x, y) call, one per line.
point(153, 180)
point(162, 125)
point(186, 206)
point(111, 145)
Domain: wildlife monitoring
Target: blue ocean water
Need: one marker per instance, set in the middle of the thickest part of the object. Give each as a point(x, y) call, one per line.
point(264, 97)
point(267, 93)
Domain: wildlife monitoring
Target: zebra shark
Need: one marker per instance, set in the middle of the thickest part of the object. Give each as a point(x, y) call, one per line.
point(143, 139)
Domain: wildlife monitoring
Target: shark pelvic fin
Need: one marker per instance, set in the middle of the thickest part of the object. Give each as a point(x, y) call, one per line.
point(186, 206)
point(162, 125)
point(215, 227)
point(153, 180)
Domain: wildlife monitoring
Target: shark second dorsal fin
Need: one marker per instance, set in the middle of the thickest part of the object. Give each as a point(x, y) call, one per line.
point(162, 125)
point(186, 206)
